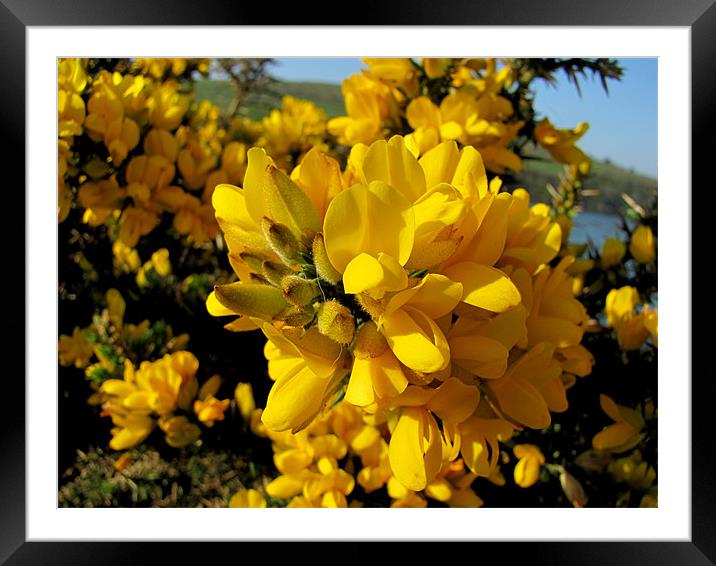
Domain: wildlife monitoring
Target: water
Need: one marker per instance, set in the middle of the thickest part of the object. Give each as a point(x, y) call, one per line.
point(597, 227)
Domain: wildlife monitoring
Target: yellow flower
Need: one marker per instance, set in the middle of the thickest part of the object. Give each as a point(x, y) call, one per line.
point(370, 105)
point(613, 251)
point(71, 75)
point(632, 330)
point(155, 388)
point(480, 122)
point(210, 409)
point(642, 246)
point(560, 144)
point(100, 198)
point(196, 220)
point(554, 315)
point(530, 459)
point(115, 307)
point(121, 136)
point(244, 396)
point(290, 132)
point(306, 368)
point(531, 387)
point(633, 470)
point(179, 432)
point(416, 449)
point(234, 162)
point(376, 373)
point(532, 237)
point(160, 262)
point(135, 223)
point(249, 498)
point(436, 67)
point(194, 162)
point(161, 142)
point(166, 106)
point(70, 114)
point(125, 259)
point(74, 350)
point(625, 433)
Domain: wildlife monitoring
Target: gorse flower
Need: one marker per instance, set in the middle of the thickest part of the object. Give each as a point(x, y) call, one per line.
point(641, 245)
point(152, 393)
point(633, 327)
point(530, 459)
point(423, 323)
point(74, 350)
point(625, 433)
point(409, 285)
point(560, 144)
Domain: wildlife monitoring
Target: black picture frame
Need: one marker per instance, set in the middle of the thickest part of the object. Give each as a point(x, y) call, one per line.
point(698, 15)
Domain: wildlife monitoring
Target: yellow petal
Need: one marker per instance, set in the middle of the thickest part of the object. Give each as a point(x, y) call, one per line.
point(484, 287)
point(366, 273)
point(415, 449)
point(435, 295)
point(480, 355)
point(439, 163)
point(392, 163)
point(613, 436)
point(294, 400)
point(416, 340)
point(360, 387)
point(374, 219)
point(454, 401)
point(230, 206)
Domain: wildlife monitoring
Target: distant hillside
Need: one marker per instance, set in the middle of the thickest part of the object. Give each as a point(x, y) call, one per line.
point(327, 96)
point(608, 179)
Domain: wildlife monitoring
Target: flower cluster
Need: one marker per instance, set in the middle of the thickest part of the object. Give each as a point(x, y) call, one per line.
point(133, 147)
point(474, 102)
point(633, 322)
point(412, 286)
point(344, 448)
point(137, 398)
point(153, 393)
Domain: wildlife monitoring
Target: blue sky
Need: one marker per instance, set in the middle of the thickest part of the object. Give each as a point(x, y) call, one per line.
point(623, 124)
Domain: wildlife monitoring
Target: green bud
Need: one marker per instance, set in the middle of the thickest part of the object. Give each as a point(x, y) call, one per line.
point(298, 290)
point(297, 316)
point(324, 268)
point(336, 322)
point(288, 204)
point(249, 299)
point(273, 272)
point(254, 261)
point(282, 241)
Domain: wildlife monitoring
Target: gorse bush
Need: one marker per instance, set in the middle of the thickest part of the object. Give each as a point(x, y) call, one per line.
point(426, 330)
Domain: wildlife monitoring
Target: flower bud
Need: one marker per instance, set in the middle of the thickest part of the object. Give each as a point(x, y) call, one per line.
point(324, 268)
point(298, 290)
point(254, 261)
point(244, 395)
point(296, 315)
point(613, 252)
point(249, 299)
point(273, 272)
point(642, 245)
point(336, 322)
point(282, 241)
point(573, 489)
